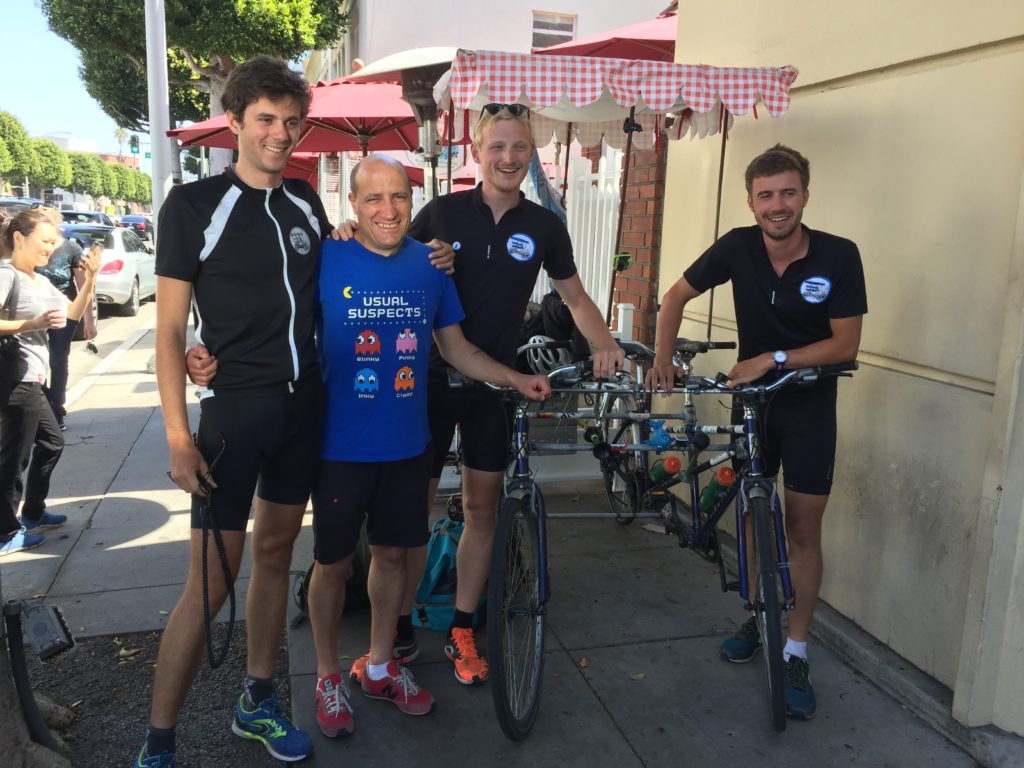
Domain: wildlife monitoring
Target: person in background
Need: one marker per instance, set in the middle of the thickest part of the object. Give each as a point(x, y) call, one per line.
point(29, 435)
point(65, 272)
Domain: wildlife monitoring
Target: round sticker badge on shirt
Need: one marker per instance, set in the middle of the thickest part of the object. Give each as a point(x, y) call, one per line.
point(521, 247)
point(815, 289)
point(299, 240)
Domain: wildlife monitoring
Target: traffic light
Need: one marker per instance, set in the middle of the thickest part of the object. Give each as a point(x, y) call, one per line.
point(133, 142)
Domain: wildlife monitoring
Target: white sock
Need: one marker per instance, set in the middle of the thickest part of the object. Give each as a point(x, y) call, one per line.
point(794, 648)
point(377, 671)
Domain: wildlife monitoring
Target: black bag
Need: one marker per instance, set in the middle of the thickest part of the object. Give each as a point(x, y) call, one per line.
point(12, 364)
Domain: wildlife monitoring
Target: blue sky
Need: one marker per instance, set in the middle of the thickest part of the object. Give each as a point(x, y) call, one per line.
point(41, 86)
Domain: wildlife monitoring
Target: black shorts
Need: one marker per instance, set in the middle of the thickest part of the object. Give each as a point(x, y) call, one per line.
point(390, 495)
point(485, 423)
point(799, 433)
point(271, 445)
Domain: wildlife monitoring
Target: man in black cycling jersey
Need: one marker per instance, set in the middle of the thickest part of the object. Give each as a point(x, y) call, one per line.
point(241, 250)
point(800, 299)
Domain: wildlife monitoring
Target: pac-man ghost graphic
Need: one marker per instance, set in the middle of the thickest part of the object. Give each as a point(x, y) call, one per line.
point(368, 343)
point(404, 379)
point(406, 341)
point(366, 380)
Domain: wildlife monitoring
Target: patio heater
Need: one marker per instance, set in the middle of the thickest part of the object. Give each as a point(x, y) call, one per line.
point(418, 90)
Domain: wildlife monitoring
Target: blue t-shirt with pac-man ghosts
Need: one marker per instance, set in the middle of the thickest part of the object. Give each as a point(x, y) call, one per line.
point(374, 331)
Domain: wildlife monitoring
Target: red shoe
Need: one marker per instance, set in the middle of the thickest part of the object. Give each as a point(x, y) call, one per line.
point(403, 655)
point(470, 667)
point(400, 689)
point(333, 711)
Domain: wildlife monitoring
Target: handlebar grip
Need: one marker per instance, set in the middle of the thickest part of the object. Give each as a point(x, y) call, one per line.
point(834, 369)
point(686, 346)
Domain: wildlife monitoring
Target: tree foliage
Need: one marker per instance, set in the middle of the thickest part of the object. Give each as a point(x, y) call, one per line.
point(111, 186)
point(16, 139)
point(204, 39)
point(85, 174)
point(125, 181)
point(50, 167)
point(6, 160)
point(119, 87)
point(143, 187)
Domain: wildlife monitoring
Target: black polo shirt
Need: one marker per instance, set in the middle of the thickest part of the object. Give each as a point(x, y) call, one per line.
point(252, 256)
point(790, 311)
point(496, 265)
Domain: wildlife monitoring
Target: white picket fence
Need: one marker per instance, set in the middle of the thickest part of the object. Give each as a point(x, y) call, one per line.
point(591, 216)
point(592, 201)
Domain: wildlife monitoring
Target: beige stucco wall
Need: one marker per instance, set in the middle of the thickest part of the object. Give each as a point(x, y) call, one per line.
point(913, 118)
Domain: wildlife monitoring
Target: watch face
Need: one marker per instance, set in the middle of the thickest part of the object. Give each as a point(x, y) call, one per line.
point(780, 357)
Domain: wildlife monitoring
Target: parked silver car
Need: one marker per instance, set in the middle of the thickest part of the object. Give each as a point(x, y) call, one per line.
point(127, 274)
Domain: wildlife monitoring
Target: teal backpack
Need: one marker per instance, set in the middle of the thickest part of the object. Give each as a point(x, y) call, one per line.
point(434, 606)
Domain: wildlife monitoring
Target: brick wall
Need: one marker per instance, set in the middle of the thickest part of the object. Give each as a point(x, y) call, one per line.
point(641, 237)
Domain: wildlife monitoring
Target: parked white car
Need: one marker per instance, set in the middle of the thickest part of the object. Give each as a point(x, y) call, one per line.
point(128, 272)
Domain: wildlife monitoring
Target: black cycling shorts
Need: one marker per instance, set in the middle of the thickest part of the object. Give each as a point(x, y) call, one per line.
point(271, 446)
point(390, 495)
point(799, 432)
point(485, 424)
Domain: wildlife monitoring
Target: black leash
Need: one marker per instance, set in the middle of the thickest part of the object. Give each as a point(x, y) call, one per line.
point(209, 520)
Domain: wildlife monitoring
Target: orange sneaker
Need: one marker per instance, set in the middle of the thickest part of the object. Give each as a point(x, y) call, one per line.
point(470, 667)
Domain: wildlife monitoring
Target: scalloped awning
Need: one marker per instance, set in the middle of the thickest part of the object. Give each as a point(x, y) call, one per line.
point(598, 93)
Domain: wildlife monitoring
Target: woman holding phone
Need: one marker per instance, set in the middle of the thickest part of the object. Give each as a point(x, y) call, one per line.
point(30, 437)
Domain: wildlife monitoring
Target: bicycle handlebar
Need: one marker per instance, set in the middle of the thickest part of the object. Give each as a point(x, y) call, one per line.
point(799, 376)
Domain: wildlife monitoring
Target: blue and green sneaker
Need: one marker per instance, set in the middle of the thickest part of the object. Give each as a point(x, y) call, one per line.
point(163, 760)
point(741, 646)
point(267, 724)
point(798, 692)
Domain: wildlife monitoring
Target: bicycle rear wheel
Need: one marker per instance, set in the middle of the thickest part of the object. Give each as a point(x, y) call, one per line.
point(620, 470)
point(515, 617)
point(767, 608)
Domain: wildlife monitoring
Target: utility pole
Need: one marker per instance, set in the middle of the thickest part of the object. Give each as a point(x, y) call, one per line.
point(159, 101)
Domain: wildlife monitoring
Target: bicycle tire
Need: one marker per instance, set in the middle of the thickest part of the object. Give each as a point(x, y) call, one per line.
point(515, 618)
point(621, 482)
point(768, 608)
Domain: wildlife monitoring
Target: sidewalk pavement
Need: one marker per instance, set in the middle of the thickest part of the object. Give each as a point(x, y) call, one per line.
point(632, 674)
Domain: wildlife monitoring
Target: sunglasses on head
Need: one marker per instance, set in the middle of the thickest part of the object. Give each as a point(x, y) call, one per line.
point(516, 110)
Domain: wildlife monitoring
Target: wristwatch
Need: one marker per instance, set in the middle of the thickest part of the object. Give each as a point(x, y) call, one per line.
point(780, 359)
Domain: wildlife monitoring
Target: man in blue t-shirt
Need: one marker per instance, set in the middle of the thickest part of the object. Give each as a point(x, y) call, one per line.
point(380, 302)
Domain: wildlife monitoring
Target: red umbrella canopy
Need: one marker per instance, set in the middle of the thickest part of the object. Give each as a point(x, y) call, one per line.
point(343, 117)
point(654, 40)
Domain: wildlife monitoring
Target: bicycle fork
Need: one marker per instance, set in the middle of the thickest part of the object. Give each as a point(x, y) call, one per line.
point(756, 485)
point(523, 482)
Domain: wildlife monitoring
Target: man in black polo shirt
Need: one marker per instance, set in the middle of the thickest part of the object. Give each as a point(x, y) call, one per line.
point(800, 298)
point(502, 240)
point(241, 250)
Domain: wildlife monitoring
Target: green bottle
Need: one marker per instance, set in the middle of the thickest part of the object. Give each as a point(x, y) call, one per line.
point(720, 481)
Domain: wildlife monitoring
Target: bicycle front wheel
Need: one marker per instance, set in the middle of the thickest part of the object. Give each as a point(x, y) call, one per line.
point(515, 618)
point(768, 609)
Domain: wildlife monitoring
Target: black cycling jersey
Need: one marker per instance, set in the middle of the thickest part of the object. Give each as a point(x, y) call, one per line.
point(790, 311)
point(252, 256)
point(496, 265)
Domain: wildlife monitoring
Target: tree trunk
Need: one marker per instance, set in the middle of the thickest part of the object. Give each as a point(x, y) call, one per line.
point(220, 158)
point(18, 750)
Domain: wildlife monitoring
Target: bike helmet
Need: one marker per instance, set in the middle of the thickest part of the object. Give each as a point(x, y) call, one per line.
point(545, 359)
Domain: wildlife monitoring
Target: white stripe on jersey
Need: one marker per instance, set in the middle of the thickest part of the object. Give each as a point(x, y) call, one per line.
point(287, 285)
point(306, 208)
point(211, 235)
